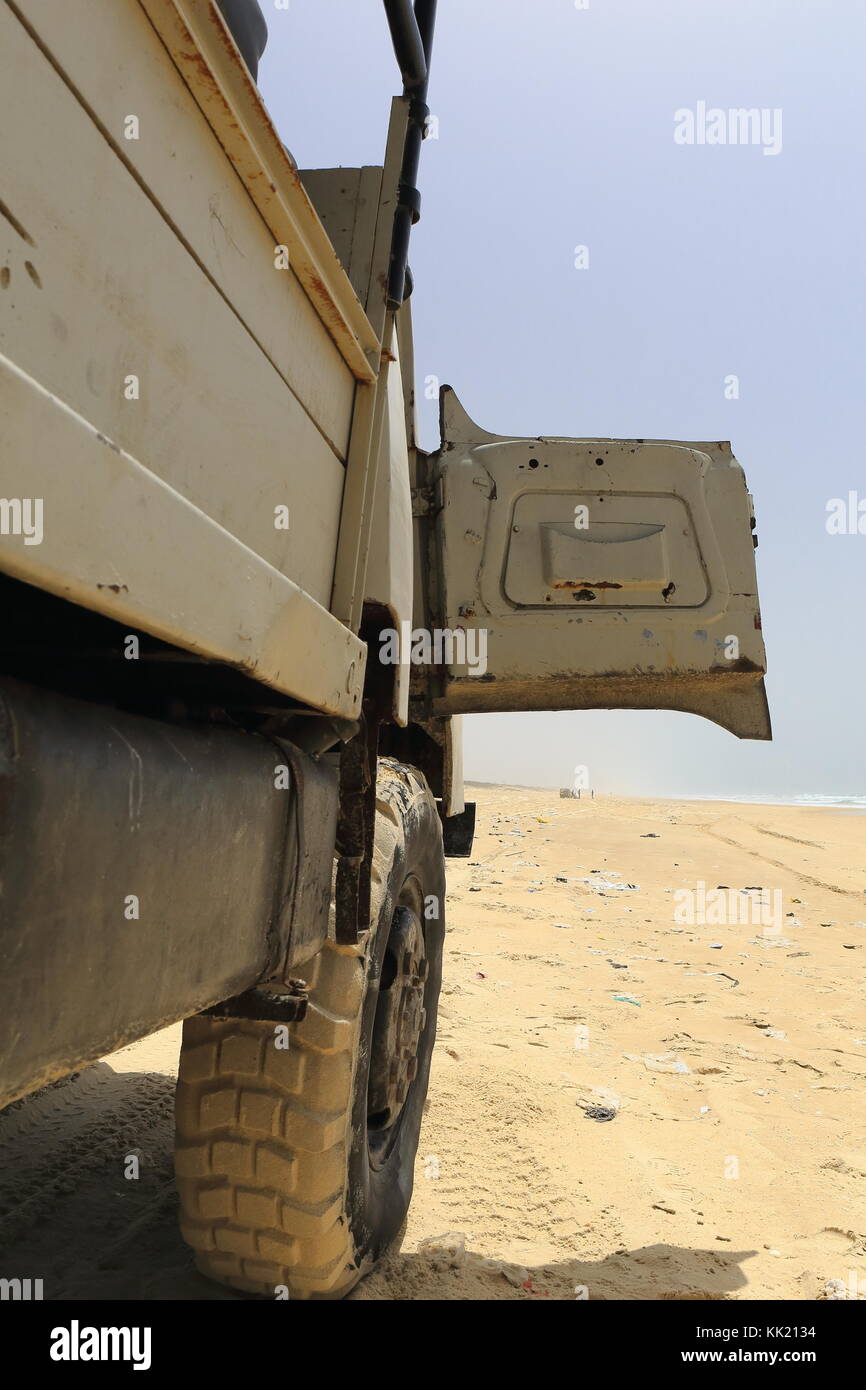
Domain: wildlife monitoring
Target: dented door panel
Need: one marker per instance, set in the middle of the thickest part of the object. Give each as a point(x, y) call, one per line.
point(605, 574)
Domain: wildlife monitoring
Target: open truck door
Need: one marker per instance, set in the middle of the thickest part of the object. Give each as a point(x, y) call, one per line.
point(592, 573)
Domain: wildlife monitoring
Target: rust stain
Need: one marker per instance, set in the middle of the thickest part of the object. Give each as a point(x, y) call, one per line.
point(586, 584)
point(235, 58)
point(320, 289)
point(201, 71)
point(228, 44)
point(196, 60)
point(741, 664)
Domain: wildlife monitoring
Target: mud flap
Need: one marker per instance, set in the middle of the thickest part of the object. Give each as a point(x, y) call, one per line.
point(458, 832)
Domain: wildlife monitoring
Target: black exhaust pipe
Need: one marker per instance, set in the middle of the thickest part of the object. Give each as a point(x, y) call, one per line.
point(412, 36)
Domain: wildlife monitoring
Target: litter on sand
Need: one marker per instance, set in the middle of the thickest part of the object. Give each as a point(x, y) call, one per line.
point(600, 1112)
point(664, 1061)
point(444, 1252)
point(607, 885)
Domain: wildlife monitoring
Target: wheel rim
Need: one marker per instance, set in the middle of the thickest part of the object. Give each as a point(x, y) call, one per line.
point(397, 1030)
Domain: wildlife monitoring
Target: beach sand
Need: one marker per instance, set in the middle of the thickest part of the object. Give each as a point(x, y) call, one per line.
point(739, 1174)
point(732, 1063)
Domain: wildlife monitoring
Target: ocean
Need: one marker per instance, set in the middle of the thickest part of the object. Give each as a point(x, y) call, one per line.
point(832, 803)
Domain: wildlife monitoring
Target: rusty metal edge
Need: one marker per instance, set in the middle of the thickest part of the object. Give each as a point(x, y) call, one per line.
point(206, 57)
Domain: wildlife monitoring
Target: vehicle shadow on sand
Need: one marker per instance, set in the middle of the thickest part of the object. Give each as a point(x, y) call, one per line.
point(71, 1215)
point(650, 1273)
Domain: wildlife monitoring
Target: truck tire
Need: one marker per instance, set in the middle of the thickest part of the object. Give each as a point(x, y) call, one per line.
point(295, 1165)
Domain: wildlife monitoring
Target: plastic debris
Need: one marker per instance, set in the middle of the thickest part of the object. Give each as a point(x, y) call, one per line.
point(606, 885)
point(600, 1103)
point(515, 1274)
point(445, 1252)
point(836, 1288)
point(664, 1061)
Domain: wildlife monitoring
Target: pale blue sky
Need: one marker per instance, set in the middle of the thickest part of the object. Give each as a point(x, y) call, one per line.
point(556, 128)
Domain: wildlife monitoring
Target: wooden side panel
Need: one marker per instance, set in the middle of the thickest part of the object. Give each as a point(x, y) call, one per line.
point(97, 287)
point(105, 533)
point(115, 61)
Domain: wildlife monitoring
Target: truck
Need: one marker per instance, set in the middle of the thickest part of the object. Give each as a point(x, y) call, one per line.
point(245, 611)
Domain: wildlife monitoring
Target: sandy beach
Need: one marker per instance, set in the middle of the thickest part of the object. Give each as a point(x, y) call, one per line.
point(626, 1102)
point(734, 1057)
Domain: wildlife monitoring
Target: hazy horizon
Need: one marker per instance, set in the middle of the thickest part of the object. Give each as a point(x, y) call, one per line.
point(815, 801)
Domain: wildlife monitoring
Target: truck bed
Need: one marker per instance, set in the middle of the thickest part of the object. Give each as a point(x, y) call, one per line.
point(143, 317)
